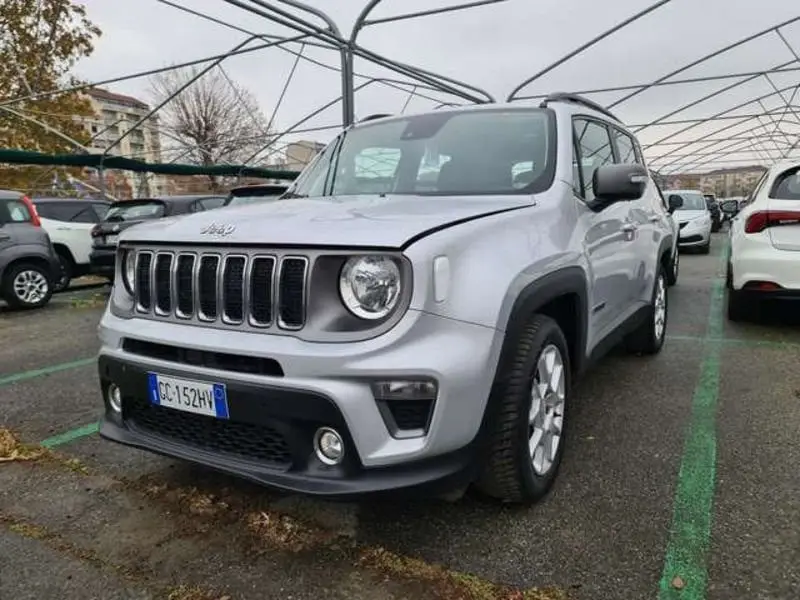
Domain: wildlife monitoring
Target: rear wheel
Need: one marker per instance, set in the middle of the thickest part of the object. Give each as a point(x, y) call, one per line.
point(27, 285)
point(672, 271)
point(527, 422)
point(648, 338)
point(739, 306)
point(65, 274)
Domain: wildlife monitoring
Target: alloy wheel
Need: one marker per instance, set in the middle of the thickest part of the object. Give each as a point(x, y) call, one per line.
point(30, 286)
point(546, 418)
point(660, 308)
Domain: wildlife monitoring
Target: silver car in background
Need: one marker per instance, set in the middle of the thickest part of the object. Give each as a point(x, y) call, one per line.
point(693, 217)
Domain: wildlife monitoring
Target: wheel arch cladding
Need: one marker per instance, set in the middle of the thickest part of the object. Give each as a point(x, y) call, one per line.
point(63, 249)
point(561, 295)
point(34, 260)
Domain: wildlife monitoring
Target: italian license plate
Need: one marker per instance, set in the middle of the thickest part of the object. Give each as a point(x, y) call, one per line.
point(112, 239)
point(197, 397)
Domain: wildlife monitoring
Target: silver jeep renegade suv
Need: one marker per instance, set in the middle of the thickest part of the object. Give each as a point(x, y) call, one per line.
point(413, 313)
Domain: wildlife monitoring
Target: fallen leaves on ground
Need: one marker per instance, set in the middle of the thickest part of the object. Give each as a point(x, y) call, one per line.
point(450, 584)
point(11, 449)
point(286, 532)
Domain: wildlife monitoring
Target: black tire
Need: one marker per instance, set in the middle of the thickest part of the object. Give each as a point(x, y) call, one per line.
point(647, 338)
point(507, 469)
point(740, 307)
point(11, 296)
point(67, 270)
point(673, 269)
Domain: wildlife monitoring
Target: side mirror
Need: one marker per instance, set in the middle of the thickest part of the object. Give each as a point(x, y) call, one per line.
point(730, 207)
point(615, 183)
point(674, 202)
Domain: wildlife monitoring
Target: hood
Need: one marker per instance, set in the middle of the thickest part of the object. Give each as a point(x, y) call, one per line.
point(688, 215)
point(389, 221)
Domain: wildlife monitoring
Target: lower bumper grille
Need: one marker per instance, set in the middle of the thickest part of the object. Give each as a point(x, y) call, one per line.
point(247, 441)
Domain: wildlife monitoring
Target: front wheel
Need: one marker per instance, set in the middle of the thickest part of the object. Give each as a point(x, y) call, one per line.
point(648, 338)
point(528, 416)
point(64, 275)
point(27, 285)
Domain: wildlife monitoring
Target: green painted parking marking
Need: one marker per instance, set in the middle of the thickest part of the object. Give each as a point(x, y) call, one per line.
point(735, 341)
point(685, 573)
point(17, 377)
point(71, 435)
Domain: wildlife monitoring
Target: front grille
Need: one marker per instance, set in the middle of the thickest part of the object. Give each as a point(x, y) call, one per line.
point(241, 440)
point(228, 288)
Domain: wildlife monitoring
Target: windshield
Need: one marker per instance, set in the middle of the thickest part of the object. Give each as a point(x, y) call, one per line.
point(495, 151)
point(691, 200)
point(242, 200)
point(135, 211)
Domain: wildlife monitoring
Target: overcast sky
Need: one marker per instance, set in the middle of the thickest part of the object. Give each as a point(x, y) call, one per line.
point(494, 47)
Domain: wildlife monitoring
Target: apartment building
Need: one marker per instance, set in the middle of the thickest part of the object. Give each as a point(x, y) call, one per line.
point(116, 114)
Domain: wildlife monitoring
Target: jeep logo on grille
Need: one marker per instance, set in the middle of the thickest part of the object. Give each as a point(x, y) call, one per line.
point(222, 230)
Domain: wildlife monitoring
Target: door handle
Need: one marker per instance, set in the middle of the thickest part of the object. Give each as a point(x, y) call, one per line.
point(655, 219)
point(4, 237)
point(629, 227)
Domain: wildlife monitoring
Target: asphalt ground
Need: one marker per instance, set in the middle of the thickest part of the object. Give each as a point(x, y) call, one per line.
point(680, 481)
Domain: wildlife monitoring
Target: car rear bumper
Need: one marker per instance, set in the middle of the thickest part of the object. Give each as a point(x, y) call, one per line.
point(754, 259)
point(267, 439)
point(102, 261)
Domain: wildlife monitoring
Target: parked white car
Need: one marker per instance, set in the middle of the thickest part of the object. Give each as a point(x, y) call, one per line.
point(68, 222)
point(765, 243)
point(694, 219)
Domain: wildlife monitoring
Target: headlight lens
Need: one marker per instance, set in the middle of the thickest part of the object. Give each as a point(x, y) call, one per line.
point(370, 286)
point(128, 270)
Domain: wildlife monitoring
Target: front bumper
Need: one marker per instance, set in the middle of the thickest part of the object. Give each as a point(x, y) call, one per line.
point(314, 384)
point(693, 234)
point(266, 440)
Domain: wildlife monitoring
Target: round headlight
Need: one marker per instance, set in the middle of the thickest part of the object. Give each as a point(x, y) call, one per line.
point(129, 270)
point(370, 286)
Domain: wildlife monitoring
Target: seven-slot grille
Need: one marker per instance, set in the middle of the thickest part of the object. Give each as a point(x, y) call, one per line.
point(259, 290)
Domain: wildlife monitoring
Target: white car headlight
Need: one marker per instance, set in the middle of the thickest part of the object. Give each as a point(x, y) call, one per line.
point(129, 270)
point(370, 286)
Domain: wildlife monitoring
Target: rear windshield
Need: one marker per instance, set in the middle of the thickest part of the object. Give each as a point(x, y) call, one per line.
point(787, 186)
point(474, 152)
point(14, 211)
point(135, 211)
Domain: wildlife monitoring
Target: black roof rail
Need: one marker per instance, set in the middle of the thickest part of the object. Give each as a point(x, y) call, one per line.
point(375, 116)
point(578, 99)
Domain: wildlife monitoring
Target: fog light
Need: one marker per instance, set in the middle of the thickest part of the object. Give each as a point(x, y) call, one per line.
point(114, 395)
point(328, 446)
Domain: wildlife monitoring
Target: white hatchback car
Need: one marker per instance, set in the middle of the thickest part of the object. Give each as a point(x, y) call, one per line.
point(694, 219)
point(765, 243)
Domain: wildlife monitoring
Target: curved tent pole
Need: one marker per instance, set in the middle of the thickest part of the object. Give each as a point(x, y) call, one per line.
point(362, 21)
point(298, 24)
point(513, 95)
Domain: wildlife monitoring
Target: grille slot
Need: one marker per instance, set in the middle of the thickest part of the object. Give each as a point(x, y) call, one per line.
point(163, 283)
point(228, 289)
point(207, 287)
point(144, 298)
point(233, 289)
point(261, 275)
point(184, 281)
point(292, 292)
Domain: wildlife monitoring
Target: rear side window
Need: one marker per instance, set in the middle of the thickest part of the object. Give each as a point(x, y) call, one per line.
point(14, 211)
point(211, 203)
point(786, 186)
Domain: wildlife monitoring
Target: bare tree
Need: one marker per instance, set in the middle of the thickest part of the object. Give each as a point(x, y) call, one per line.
point(213, 121)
